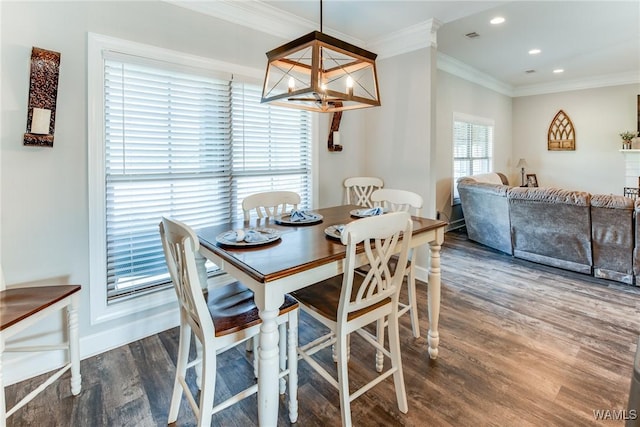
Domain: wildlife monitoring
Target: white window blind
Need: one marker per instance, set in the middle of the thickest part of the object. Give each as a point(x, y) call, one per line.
point(271, 147)
point(472, 149)
point(188, 146)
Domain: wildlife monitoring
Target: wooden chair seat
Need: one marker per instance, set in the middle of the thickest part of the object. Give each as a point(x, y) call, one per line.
point(324, 297)
point(232, 308)
point(18, 304)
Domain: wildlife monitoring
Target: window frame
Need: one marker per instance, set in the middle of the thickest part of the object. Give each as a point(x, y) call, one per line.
point(101, 310)
point(473, 120)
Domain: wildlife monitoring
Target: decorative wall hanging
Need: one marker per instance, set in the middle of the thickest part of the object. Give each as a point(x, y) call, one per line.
point(43, 91)
point(562, 136)
point(334, 134)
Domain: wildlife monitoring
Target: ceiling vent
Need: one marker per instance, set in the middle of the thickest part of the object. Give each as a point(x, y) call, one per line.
point(472, 35)
point(530, 71)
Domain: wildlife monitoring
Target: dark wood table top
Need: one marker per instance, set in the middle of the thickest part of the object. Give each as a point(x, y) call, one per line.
point(17, 304)
point(300, 248)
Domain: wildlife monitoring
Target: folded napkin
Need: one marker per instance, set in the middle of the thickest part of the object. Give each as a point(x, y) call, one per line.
point(249, 236)
point(373, 211)
point(253, 236)
point(301, 216)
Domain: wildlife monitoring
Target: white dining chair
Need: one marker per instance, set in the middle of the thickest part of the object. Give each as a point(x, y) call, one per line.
point(270, 203)
point(393, 200)
point(358, 189)
point(224, 318)
point(20, 309)
point(347, 303)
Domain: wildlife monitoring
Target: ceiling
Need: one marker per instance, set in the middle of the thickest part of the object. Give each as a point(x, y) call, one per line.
point(596, 43)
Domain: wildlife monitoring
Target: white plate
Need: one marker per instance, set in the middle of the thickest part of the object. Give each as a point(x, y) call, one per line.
point(333, 231)
point(361, 213)
point(286, 220)
point(228, 238)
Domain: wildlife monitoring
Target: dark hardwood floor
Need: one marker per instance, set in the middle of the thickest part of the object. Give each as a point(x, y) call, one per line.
point(520, 345)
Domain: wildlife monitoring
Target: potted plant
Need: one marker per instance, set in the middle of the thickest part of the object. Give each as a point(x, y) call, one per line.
point(626, 139)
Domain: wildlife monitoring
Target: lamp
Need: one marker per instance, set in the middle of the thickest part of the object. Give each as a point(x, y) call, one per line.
point(522, 163)
point(317, 72)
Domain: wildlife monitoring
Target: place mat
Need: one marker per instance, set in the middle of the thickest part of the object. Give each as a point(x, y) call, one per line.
point(334, 231)
point(311, 218)
point(230, 238)
point(366, 212)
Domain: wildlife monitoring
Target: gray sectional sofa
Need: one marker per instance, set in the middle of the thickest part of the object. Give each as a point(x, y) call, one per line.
point(573, 230)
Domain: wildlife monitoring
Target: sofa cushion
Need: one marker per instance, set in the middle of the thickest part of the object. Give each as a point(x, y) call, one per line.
point(551, 226)
point(486, 213)
point(612, 237)
point(490, 178)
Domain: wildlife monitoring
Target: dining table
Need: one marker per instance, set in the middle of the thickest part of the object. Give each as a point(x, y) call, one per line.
point(301, 255)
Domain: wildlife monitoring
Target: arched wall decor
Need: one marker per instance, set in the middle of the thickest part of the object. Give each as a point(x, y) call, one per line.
point(562, 135)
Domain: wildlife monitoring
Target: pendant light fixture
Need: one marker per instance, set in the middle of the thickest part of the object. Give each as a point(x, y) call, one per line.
point(321, 73)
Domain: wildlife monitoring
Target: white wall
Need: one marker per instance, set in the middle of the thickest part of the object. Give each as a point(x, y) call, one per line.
point(456, 95)
point(338, 165)
point(44, 200)
point(397, 134)
point(598, 116)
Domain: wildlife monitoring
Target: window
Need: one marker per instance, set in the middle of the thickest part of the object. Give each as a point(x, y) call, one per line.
point(271, 147)
point(183, 142)
point(472, 148)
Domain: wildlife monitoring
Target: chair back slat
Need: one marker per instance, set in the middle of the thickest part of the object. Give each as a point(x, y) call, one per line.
point(180, 244)
point(270, 203)
point(380, 236)
point(398, 200)
point(358, 189)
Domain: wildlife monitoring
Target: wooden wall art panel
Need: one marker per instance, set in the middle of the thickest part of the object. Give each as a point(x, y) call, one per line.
point(43, 91)
point(562, 135)
point(334, 129)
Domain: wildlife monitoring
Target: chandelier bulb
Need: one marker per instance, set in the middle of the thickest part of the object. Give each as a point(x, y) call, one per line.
point(350, 85)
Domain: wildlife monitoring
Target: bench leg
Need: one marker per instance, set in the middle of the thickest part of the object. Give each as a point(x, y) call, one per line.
point(74, 345)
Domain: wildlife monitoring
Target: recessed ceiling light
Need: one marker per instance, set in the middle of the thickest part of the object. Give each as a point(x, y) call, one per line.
point(534, 51)
point(558, 71)
point(497, 20)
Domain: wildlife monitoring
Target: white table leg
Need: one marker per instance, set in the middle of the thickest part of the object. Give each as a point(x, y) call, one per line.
point(74, 344)
point(202, 270)
point(433, 298)
point(268, 369)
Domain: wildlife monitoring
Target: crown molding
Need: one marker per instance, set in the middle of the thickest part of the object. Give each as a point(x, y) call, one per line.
point(261, 17)
point(418, 36)
point(265, 18)
point(466, 72)
point(619, 79)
